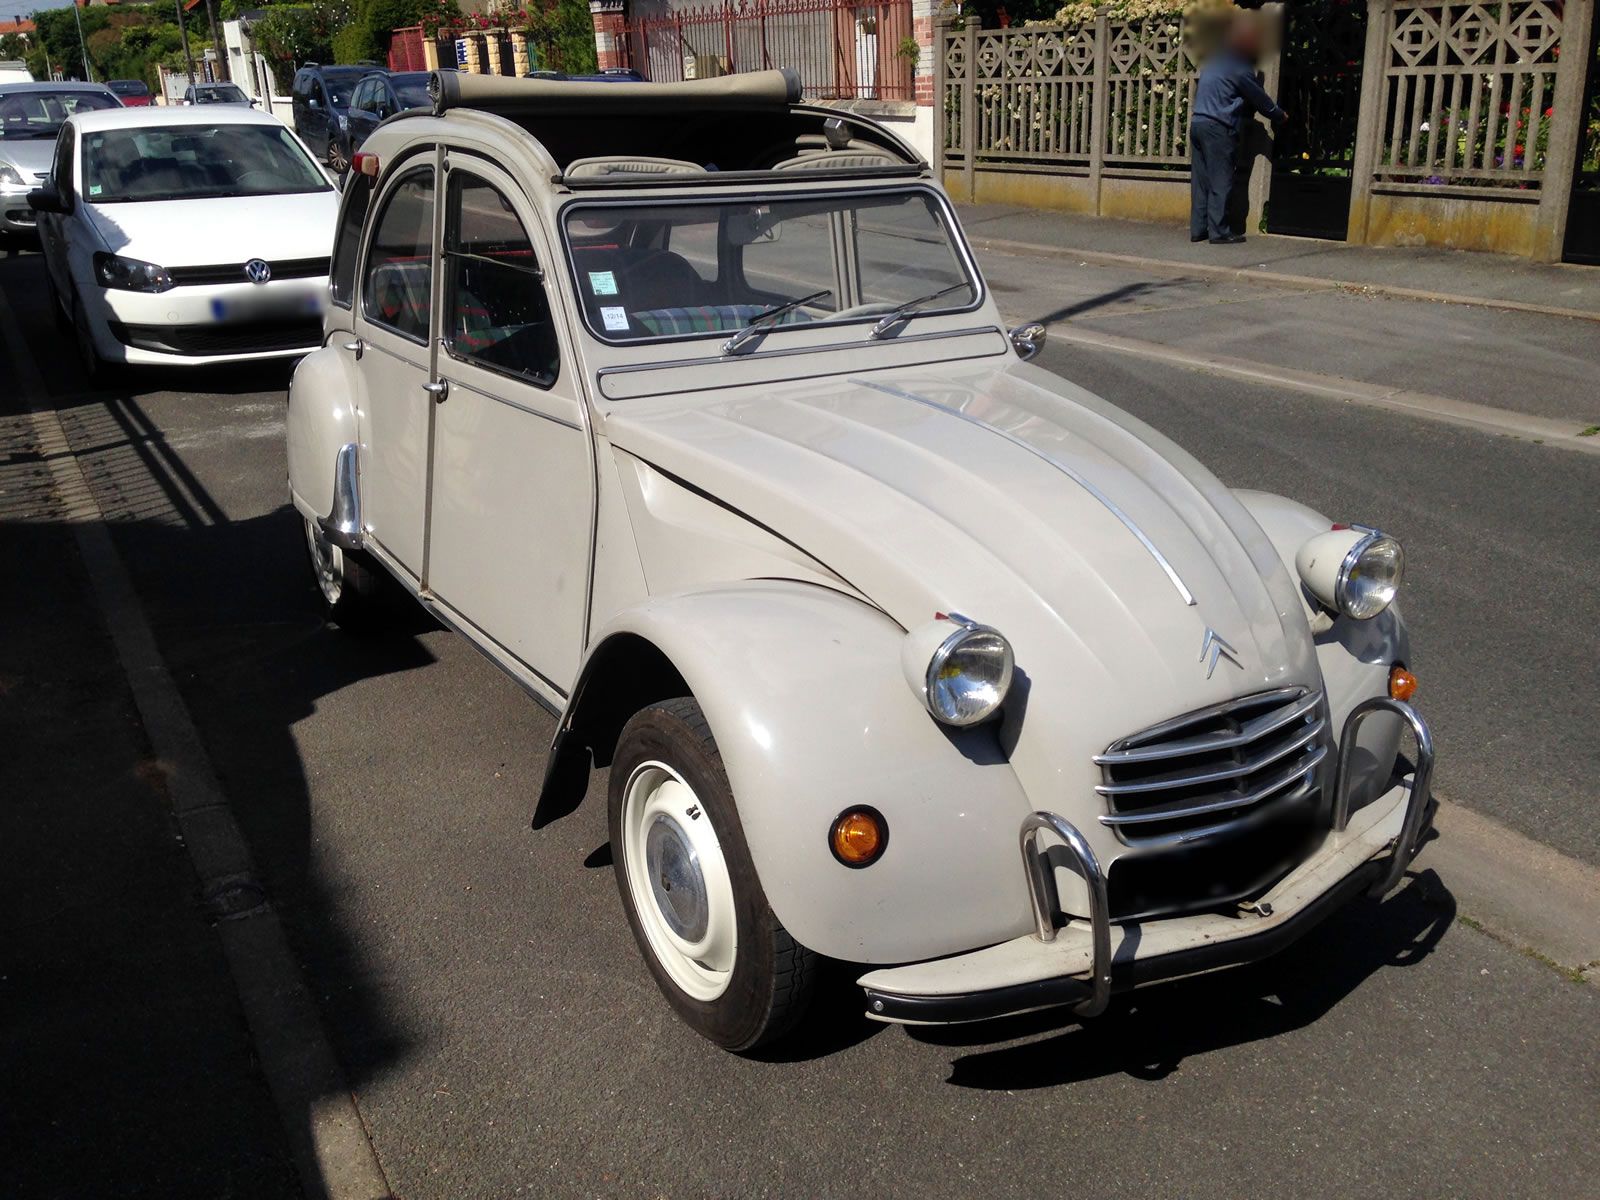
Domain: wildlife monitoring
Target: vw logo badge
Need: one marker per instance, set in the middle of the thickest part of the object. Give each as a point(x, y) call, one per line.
point(257, 271)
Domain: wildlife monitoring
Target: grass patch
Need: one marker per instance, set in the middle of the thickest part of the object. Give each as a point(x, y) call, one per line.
point(1589, 432)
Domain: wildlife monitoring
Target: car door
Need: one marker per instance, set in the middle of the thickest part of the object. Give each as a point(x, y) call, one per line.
point(510, 529)
point(54, 228)
point(393, 321)
point(364, 113)
point(316, 118)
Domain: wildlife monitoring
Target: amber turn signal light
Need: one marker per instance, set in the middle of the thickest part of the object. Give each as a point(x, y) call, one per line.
point(1402, 683)
point(859, 836)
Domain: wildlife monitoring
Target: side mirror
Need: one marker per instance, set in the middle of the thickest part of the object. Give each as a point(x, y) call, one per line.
point(1028, 340)
point(314, 104)
point(47, 199)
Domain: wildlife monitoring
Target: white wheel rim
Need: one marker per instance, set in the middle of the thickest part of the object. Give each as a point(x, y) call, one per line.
point(327, 563)
point(678, 880)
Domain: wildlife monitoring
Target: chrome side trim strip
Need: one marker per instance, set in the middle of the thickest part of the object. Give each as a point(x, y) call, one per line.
point(343, 522)
point(1233, 771)
point(1260, 727)
point(1110, 505)
point(1277, 783)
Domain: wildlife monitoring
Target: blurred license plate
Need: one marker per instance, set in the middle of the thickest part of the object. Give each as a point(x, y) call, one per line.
point(276, 306)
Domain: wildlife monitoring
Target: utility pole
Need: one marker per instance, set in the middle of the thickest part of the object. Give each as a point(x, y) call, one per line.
point(223, 71)
point(183, 30)
point(83, 47)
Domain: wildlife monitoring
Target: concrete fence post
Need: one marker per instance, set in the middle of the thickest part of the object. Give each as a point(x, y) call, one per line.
point(1099, 101)
point(941, 117)
point(1566, 127)
point(969, 113)
point(1272, 80)
point(1369, 118)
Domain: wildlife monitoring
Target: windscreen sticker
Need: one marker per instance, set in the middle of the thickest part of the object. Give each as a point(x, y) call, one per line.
point(95, 189)
point(615, 318)
point(603, 283)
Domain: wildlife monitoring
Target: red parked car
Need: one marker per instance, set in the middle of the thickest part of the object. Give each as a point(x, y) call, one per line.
point(132, 92)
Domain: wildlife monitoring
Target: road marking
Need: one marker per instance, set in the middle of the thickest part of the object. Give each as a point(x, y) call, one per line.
point(333, 1154)
point(1173, 269)
point(1566, 435)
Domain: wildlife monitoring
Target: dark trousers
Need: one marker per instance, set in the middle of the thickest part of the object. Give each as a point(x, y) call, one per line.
point(1213, 152)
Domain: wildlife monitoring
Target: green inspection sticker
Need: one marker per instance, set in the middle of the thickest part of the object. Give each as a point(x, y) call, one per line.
point(95, 189)
point(603, 283)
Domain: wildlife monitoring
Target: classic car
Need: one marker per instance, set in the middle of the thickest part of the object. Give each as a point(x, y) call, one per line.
point(688, 406)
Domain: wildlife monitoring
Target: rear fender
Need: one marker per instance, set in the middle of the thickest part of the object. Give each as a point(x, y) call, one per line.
point(323, 429)
point(804, 692)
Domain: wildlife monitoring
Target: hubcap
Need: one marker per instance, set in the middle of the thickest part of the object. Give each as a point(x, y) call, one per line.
point(678, 880)
point(327, 563)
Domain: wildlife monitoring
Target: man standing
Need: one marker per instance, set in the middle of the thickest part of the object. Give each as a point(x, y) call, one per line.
point(1226, 85)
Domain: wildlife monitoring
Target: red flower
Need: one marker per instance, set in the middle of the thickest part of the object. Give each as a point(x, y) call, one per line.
point(1549, 112)
point(1519, 147)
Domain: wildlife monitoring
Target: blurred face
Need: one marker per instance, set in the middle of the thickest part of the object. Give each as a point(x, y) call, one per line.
point(1245, 36)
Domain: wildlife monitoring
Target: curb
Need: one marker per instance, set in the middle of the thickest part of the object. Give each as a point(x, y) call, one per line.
point(1304, 283)
point(332, 1153)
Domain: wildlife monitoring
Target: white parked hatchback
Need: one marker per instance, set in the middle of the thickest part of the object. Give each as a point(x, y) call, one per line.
point(185, 236)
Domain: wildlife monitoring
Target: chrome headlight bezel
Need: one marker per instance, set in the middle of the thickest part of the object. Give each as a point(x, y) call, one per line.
point(1346, 587)
point(928, 655)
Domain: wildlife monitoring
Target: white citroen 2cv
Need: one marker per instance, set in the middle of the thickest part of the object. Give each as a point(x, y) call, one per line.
point(688, 406)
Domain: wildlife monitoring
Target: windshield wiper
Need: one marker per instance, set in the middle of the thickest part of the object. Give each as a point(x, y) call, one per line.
point(903, 313)
point(757, 324)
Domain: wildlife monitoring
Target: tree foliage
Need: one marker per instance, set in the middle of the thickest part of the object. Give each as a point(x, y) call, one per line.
point(125, 42)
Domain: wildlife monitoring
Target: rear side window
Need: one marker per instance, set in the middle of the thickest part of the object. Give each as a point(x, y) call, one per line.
point(398, 281)
point(347, 241)
point(496, 313)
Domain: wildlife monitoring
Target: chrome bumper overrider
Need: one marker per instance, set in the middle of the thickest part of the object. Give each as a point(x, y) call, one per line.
point(1044, 970)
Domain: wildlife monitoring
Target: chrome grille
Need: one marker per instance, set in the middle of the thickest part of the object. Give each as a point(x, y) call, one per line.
point(1208, 770)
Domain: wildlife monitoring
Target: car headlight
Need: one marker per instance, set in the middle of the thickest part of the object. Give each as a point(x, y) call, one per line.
point(960, 670)
point(1352, 570)
point(130, 274)
point(10, 176)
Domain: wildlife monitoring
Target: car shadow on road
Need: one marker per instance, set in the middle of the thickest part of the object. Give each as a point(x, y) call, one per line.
point(1149, 1033)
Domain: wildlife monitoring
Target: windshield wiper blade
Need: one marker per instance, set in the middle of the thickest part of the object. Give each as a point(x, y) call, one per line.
point(757, 324)
point(903, 313)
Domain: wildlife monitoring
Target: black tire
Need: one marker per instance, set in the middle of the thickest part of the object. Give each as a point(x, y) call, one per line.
point(338, 160)
point(96, 370)
point(773, 977)
point(356, 599)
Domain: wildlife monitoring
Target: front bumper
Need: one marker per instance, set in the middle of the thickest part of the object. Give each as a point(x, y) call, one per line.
point(1082, 962)
point(16, 218)
point(180, 327)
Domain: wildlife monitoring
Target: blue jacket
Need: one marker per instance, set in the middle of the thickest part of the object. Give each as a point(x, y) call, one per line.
point(1227, 83)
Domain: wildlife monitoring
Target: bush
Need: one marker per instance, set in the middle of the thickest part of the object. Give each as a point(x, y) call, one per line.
point(291, 34)
point(355, 43)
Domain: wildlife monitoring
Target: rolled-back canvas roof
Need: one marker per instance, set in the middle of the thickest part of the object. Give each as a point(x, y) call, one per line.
point(752, 89)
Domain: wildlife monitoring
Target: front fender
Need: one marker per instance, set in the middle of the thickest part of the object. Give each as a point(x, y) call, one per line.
point(1354, 656)
point(321, 422)
point(804, 693)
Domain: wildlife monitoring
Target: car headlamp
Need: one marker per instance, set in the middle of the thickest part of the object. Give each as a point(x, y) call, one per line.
point(130, 274)
point(1352, 570)
point(960, 670)
point(11, 177)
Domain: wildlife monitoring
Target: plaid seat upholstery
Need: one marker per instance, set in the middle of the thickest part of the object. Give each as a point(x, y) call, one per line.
point(400, 291)
point(711, 318)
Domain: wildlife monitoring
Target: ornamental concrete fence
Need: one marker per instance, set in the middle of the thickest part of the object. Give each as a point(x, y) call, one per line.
point(1471, 125)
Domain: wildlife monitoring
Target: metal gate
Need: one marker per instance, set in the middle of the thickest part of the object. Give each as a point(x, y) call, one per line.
point(1583, 218)
point(1320, 89)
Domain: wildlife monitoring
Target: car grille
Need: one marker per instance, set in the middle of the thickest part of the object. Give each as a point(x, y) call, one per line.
point(1215, 769)
point(288, 268)
point(244, 337)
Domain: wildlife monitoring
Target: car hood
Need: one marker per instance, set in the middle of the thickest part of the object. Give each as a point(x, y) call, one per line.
point(1102, 550)
point(30, 156)
point(224, 229)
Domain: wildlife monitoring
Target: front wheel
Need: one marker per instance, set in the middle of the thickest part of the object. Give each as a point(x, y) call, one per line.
point(338, 160)
point(690, 889)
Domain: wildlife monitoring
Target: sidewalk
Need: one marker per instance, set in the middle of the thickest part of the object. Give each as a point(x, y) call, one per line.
point(1419, 272)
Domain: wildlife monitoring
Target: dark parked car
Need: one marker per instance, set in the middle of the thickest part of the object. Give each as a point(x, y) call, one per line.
point(320, 98)
point(132, 92)
point(379, 95)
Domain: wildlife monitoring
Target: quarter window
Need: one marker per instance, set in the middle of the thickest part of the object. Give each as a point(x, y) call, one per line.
point(496, 311)
point(398, 282)
point(347, 241)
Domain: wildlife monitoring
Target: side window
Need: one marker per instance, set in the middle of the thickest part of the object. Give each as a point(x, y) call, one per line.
point(347, 241)
point(496, 312)
point(316, 91)
point(398, 280)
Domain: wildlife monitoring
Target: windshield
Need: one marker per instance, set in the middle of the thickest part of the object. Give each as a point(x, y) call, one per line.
point(412, 93)
point(191, 162)
point(649, 272)
point(222, 93)
point(340, 86)
point(39, 114)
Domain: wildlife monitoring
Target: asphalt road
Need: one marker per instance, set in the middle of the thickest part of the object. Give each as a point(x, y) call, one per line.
point(502, 1037)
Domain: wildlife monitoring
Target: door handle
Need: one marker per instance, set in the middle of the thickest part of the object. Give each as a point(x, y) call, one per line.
point(355, 347)
point(438, 390)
